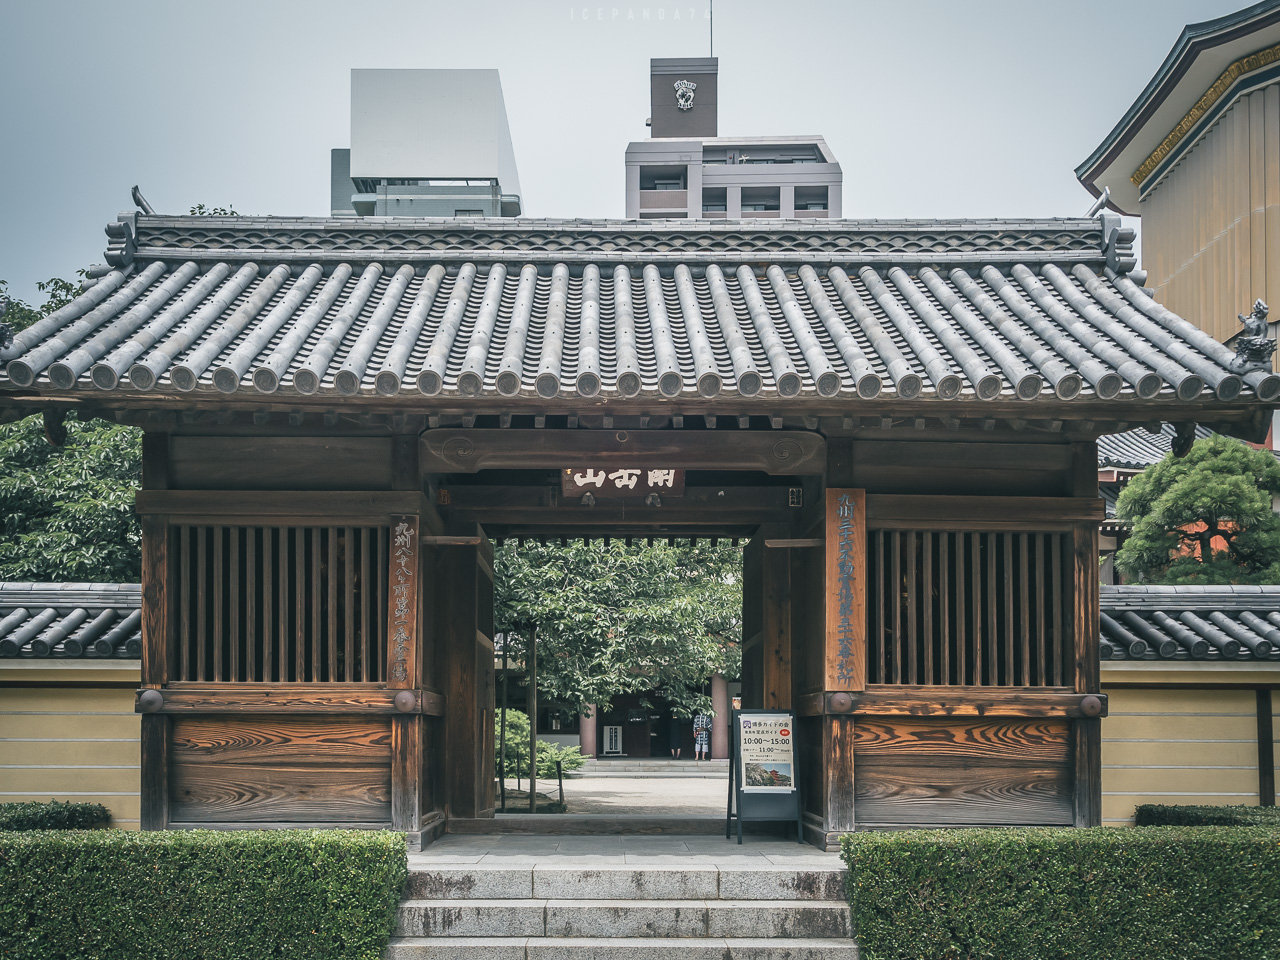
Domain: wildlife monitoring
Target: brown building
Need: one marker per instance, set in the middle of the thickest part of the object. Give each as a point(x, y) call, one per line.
point(899, 417)
point(1197, 156)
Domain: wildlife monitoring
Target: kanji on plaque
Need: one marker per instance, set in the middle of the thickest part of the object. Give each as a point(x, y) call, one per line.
point(846, 611)
point(403, 612)
point(629, 481)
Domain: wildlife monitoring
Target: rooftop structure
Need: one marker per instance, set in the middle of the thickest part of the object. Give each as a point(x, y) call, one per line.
point(426, 143)
point(687, 171)
point(924, 313)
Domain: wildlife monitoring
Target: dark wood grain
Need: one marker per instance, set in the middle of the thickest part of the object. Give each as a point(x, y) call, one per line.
point(904, 740)
point(155, 601)
point(981, 513)
point(469, 451)
point(154, 783)
point(1087, 798)
point(406, 772)
point(839, 742)
point(280, 508)
point(955, 793)
point(300, 741)
point(279, 792)
point(972, 701)
point(281, 463)
point(275, 698)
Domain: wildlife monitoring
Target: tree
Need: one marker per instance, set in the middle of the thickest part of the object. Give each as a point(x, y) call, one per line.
point(1204, 518)
point(616, 619)
point(66, 513)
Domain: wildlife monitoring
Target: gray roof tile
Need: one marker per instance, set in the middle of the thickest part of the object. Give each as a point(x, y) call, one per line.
point(71, 621)
point(921, 310)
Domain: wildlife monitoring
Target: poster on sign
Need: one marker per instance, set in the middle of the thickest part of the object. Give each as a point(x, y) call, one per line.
point(766, 753)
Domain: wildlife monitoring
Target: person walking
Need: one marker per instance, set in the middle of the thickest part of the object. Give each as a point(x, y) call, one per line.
point(675, 738)
point(702, 737)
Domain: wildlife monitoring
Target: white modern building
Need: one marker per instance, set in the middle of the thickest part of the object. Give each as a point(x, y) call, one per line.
point(685, 170)
point(426, 143)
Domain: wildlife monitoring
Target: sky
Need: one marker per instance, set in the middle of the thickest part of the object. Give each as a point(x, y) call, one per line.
point(934, 108)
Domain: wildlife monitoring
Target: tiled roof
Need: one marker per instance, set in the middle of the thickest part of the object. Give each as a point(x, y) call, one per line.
point(70, 621)
point(1138, 449)
point(503, 309)
point(1191, 623)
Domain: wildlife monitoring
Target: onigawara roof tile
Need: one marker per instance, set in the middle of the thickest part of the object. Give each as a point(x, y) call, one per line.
point(71, 621)
point(401, 310)
point(1190, 622)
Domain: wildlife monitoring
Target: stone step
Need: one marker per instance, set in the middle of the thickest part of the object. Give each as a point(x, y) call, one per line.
point(609, 948)
point(687, 879)
point(623, 918)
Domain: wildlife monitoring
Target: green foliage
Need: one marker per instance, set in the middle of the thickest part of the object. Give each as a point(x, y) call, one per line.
point(1160, 815)
point(1185, 893)
point(192, 895)
point(200, 210)
point(615, 619)
point(66, 513)
point(1221, 489)
point(53, 815)
point(19, 315)
point(515, 748)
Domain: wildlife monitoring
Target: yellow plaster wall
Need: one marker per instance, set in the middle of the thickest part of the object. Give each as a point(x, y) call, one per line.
point(1178, 745)
point(1211, 227)
point(76, 741)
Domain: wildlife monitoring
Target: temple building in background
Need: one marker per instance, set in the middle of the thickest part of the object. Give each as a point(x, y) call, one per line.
point(685, 170)
point(426, 143)
point(1197, 157)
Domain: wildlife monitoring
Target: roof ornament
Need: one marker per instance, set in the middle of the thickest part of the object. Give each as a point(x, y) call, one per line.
point(1117, 243)
point(141, 201)
point(1253, 347)
point(1184, 435)
point(684, 93)
point(1098, 205)
point(6, 329)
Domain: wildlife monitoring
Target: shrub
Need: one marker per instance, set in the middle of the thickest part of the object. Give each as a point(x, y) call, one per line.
point(191, 895)
point(516, 749)
point(1158, 815)
point(1185, 893)
point(33, 815)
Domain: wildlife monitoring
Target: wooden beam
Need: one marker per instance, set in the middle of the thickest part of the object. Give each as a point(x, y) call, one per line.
point(838, 774)
point(403, 601)
point(982, 513)
point(468, 451)
point(699, 507)
point(1087, 796)
point(903, 700)
point(279, 507)
point(776, 629)
point(282, 698)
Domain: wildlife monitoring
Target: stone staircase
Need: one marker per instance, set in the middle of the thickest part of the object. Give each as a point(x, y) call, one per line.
point(658, 911)
point(641, 767)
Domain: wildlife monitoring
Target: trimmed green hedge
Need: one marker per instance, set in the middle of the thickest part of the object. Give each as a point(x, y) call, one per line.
point(1159, 815)
point(191, 895)
point(53, 815)
point(1177, 893)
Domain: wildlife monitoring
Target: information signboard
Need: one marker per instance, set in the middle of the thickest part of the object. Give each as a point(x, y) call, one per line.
point(763, 784)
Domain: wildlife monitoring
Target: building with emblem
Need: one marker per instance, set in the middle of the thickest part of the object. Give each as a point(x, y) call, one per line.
point(685, 170)
point(426, 143)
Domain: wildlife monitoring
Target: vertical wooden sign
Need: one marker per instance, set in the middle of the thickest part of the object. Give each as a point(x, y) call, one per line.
point(402, 627)
point(846, 590)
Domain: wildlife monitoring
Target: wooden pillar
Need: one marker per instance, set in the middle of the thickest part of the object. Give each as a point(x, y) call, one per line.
point(156, 639)
point(844, 659)
point(720, 708)
point(587, 730)
point(1084, 626)
point(403, 673)
point(466, 631)
point(1266, 749)
point(775, 623)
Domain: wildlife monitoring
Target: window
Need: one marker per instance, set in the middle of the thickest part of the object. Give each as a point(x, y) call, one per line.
point(468, 213)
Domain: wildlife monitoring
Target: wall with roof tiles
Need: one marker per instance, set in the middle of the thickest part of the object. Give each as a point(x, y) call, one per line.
point(69, 733)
